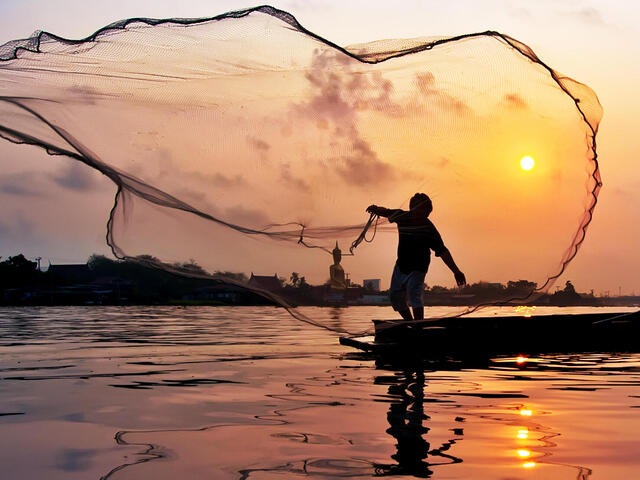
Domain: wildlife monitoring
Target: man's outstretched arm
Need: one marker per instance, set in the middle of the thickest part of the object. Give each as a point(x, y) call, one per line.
point(381, 211)
point(448, 261)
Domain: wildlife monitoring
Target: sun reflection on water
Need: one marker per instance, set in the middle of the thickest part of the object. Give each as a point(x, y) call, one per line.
point(525, 310)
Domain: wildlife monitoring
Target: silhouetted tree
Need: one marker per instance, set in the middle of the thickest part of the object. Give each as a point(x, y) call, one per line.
point(297, 281)
point(569, 288)
point(17, 271)
point(566, 296)
point(521, 286)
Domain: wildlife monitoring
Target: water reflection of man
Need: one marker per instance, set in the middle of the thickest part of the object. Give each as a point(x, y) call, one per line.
point(405, 425)
point(405, 417)
point(417, 236)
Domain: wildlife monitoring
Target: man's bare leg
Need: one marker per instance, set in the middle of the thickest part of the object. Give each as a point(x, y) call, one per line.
point(406, 314)
point(418, 313)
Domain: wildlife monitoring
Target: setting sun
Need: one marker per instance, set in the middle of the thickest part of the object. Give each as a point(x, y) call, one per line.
point(527, 163)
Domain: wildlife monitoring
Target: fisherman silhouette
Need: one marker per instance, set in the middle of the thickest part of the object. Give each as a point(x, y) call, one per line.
point(417, 236)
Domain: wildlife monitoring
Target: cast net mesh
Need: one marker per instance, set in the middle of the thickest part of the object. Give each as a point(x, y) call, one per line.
point(241, 140)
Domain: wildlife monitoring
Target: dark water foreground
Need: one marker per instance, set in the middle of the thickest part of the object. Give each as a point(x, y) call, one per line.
point(219, 393)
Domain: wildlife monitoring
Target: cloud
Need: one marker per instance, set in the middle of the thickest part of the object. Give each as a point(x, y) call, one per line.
point(363, 167)
point(258, 144)
point(24, 184)
point(147, 140)
point(329, 100)
point(75, 459)
point(625, 192)
point(290, 179)
point(247, 217)
point(220, 180)
point(587, 15)
point(516, 101)
point(195, 198)
point(16, 226)
point(428, 92)
point(442, 162)
point(425, 82)
point(75, 177)
point(338, 95)
point(521, 13)
point(83, 94)
point(19, 190)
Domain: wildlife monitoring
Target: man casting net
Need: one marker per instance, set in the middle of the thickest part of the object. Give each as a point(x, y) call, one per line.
point(243, 141)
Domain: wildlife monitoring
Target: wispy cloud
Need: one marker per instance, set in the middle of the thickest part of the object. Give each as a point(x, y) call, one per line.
point(17, 227)
point(292, 180)
point(515, 101)
point(250, 217)
point(257, 143)
point(578, 11)
point(587, 15)
point(362, 166)
point(220, 180)
point(83, 94)
point(338, 95)
point(75, 177)
point(429, 93)
point(24, 184)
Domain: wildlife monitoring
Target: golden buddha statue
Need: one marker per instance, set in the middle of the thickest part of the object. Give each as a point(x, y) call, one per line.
point(336, 272)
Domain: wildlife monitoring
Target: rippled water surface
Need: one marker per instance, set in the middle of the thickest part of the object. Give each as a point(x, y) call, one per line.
point(231, 393)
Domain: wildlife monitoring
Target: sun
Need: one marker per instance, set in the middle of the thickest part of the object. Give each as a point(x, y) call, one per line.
point(527, 163)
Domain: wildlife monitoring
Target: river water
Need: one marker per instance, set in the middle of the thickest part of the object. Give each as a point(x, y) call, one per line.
point(250, 392)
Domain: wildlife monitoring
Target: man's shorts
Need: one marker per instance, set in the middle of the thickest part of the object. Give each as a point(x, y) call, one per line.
point(406, 287)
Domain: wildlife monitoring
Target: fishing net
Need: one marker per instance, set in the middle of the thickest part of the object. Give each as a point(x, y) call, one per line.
point(241, 142)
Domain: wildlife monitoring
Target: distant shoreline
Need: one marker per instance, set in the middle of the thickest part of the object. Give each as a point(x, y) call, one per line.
point(612, 302)
point(103, 281)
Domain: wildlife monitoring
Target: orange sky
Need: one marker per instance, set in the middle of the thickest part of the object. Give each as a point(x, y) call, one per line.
point(592, 45)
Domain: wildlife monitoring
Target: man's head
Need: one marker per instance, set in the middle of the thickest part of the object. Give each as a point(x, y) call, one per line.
point(420, 203)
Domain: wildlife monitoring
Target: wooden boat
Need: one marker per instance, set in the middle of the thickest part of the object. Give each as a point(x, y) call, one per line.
point(460, 336)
